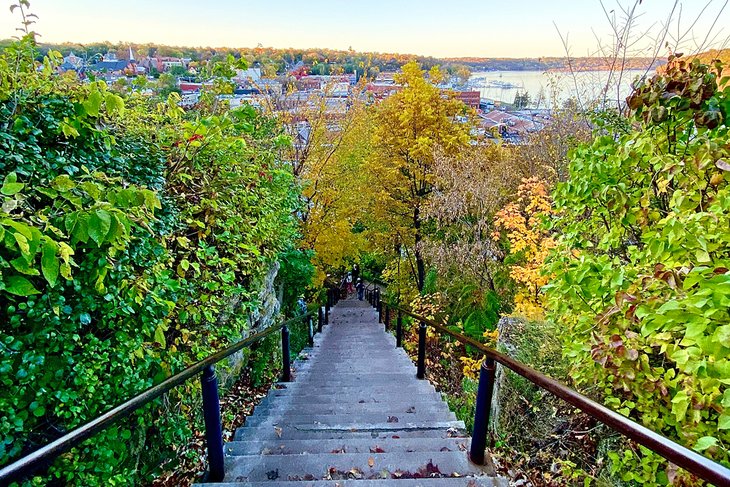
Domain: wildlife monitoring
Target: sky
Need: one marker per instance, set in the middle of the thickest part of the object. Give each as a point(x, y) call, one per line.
point(445, 28)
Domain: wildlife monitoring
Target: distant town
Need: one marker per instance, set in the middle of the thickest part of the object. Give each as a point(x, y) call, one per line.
point(286, 80)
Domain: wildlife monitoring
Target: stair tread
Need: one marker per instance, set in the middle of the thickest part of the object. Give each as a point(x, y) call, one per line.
point(428, 482)
point(258, 467)
point(360, 445)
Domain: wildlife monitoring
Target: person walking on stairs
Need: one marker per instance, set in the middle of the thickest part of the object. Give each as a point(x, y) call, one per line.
point(360, 286)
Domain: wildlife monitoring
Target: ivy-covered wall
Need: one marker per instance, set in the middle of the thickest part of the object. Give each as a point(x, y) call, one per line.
point(135, 238)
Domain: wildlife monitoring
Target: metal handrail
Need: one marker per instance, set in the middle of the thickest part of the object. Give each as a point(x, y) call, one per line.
point(685, 458)
point(40, 457)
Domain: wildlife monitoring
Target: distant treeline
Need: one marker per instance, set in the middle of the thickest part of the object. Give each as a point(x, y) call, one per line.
point(331, 61)
point(555, 63)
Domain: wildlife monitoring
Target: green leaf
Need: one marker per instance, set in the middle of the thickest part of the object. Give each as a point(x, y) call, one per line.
point(19, 286)
point(77, 224)
point(705, 442)
point(160, 336)
point(23, 266)
point(99, 224)
point(722, 335)
point(63, 183)
point(22, 242)
point(114, 104)
point(92, 104)
point(724, 422)
point(50, 264)
point(680, 403)
point(10, 186)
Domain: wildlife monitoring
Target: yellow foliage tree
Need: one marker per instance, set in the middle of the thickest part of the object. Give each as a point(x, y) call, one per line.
point(330, 144)
point(409, 126)
point(521, 223)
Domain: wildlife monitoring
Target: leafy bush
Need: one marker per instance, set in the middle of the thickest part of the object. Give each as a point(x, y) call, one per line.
point(133, 239)
point(640, 279)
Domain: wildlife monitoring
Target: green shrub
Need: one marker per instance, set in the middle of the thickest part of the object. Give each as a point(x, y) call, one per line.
point(641, 283)
point(134, 238)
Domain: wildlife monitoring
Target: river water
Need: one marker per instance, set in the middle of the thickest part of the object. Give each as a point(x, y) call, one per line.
point(550, 89)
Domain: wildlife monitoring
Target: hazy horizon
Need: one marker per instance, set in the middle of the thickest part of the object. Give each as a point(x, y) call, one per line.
point(467, 28)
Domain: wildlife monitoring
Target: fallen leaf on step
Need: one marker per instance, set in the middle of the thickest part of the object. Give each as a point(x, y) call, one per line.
point(272, 474)
point(392, 419)
point(278, 431)
point(376, 449)
point(371, 462)
point(411, 409)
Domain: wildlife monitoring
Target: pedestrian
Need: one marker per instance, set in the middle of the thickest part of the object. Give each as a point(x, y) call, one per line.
point(350, 287)
point(356, 272)
point(360, 286)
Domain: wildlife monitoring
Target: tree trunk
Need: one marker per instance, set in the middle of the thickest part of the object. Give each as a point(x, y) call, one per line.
point(420, 264)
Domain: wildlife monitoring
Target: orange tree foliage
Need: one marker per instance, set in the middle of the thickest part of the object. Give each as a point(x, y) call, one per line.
point(641, 282)
point(522, 223)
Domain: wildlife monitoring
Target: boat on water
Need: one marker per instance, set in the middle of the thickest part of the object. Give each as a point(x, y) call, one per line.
point(493, 83)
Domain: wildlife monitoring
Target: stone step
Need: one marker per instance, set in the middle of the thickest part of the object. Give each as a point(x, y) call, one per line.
point(343, 375)
point(366, 465)
point(373, 368)
point(333, 430)
point(352, 418)
point(390, 407)
point(368, 398)
point(393, 357)
point(271, 432)
point(356, 445)
point(392, 380)
point(427, 482)
point(398, 389)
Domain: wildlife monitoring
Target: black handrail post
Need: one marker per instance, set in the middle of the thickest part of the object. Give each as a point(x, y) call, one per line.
point(286, 358)
point(399, 330)
point(378, 305)
point(213, 430)
point(310, 331)
point(326, 315)
point(320, 319)
point(483, 410)
point(421, 373)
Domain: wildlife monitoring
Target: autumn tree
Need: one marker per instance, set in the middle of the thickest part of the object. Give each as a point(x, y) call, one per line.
point(472, 187)
point(409, 127)
point(329, 143)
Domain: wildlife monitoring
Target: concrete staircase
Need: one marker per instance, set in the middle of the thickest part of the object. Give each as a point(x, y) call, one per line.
point(354, 416)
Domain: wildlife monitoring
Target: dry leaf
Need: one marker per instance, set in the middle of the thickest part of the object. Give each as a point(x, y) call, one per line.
point(371, 462)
